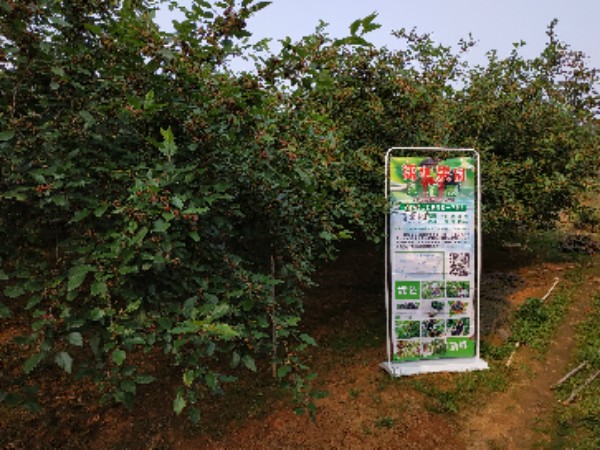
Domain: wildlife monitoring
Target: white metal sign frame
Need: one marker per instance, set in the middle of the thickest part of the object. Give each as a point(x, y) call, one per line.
point(419, 366)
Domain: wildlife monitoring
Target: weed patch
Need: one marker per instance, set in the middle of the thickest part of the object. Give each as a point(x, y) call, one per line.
point(463, 387)
point(535, 320)
point(385, 422)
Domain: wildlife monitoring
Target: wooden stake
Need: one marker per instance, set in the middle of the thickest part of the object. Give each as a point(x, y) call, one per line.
point(580, 388)
point(512, 355)
point(556, 280)
point(569, 375)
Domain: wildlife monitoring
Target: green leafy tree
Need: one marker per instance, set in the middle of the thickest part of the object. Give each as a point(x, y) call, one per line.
point(152, 199)
point(535, 122)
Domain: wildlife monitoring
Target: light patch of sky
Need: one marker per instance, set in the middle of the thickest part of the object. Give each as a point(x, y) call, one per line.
point(494, 24)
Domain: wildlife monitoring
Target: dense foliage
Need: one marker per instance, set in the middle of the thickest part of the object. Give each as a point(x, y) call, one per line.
point(535, 122)
point(151, 199)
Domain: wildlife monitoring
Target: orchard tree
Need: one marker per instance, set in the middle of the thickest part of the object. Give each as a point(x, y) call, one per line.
point(535, 123)
point(151, 199)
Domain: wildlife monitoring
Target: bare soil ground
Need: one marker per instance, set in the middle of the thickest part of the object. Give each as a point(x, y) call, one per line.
point(364, 407)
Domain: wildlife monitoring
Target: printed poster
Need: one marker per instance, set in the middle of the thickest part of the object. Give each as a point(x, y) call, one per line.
point(432, 257)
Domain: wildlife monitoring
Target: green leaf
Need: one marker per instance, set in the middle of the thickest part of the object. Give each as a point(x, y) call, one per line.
point(177, 202)
point(64, 361)
point(3, 276)
point(160, 226)
point(139, 237)
point(345, 234)
point(210, 348)
point(16, 194)
point(60, 22)
point(133, 306)
point(304, 176)
point(168, 146)
point(14, 291)
point(34, 300)
point(149, 99)
point(326, 235)
point(80, 215)
point(118, 357)
point(128, 386)
point(11, 399)
point(186, 327)
point(136, 340)
point(58, 71)
point(4, 311)
point(211, 380)
point(235, 360)
point(167, 54)
point(258, 6)
point(354, 26)
point(249, 362)
point(99, 288)
point(6, 135)
point(75, 338)
point(95, 344)
point(144, 379)
point(368, 24)
point(88, 119)
point(222, 330)
point(219, 311)
point(308, 339)
point(179, 403)
point(93, 28)
point(97, 314)
point(194, 415)
point(353, 40)
point(99, 212)
point(198, 211)
point(38, 325)
point(77, 276)
point(282, 371)
point(32, 362)
point(188, 377)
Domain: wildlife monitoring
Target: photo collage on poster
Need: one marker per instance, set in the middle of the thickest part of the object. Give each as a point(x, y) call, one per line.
point(432, 257)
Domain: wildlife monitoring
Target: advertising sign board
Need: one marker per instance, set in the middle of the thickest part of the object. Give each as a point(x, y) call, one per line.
point(432, 260)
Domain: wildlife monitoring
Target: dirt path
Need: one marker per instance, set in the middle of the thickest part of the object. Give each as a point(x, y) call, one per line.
point(520, 418)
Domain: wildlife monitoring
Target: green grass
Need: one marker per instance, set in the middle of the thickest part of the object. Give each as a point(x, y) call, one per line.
point(385, 422)
point(536, 320)
point(463, 387)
